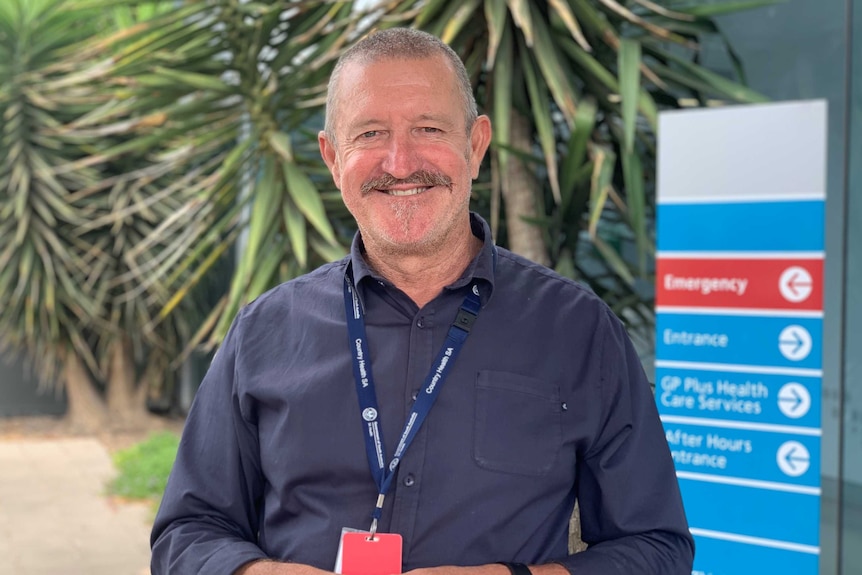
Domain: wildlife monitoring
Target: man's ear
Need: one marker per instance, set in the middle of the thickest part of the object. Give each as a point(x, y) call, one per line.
point(480, 139)
point(330, 157)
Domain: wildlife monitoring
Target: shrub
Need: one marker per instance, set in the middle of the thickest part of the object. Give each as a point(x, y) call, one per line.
point(144, 467)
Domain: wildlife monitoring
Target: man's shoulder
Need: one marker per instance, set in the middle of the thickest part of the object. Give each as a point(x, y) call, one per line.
point(523, 271)
point(539, 290)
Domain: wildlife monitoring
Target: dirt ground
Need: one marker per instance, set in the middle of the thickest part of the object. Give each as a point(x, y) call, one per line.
point(36, 427)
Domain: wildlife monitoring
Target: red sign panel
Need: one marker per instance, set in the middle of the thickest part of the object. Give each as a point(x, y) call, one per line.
point(787, 284)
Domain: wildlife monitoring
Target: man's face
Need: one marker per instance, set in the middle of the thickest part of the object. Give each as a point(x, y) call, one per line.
point(402, 157)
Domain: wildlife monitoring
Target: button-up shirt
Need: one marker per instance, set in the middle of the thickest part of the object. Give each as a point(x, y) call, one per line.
point(546, 403)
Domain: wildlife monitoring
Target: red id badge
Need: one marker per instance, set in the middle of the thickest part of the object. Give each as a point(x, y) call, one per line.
point(364, 556)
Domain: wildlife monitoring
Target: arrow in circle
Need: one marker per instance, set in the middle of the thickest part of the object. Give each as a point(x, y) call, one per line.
point(793, 400)
point(796, 340)
point(794, 281)
point(796, 399)
point(790, 459)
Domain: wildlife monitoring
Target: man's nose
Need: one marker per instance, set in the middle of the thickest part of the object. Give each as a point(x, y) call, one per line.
point(402, 157)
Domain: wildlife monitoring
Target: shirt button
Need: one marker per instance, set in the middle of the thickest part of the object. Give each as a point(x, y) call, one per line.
point(415, 395)
point(409, 480)
point(420, 323)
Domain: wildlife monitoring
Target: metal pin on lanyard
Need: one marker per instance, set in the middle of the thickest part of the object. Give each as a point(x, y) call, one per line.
point(378, 508)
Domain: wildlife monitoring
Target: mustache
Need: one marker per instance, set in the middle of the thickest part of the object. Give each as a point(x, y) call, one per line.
point(420, 177)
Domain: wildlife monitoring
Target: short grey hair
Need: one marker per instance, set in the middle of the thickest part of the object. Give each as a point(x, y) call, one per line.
point(400, 44)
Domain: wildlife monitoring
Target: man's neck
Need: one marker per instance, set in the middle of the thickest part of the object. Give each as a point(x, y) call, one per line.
point(423, 277)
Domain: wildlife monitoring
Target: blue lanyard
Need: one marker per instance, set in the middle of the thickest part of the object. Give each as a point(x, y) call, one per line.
point(458, 332)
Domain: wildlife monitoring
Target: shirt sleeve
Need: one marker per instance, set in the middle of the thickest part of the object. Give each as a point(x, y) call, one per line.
point(208, 519)
point(632, 515)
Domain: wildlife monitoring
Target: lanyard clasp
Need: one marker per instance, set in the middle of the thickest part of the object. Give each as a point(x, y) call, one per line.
point(378, 511)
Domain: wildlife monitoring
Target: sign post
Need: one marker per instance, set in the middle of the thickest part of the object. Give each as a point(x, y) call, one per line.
point(739, 302)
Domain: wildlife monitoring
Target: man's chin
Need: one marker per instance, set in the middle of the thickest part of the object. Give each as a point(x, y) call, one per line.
point(405, 242)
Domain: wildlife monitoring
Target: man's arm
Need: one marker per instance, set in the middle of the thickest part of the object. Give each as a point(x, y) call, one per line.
point(631, 509)
point(208, 518)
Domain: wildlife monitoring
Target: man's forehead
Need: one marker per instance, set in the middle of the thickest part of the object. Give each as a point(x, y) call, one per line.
point(434, 67)
point(364, 82)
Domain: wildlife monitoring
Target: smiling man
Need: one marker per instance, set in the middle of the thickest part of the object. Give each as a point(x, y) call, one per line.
point(445, 398)
point(404, 153)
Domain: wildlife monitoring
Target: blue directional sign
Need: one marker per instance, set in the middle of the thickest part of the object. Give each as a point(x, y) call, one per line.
point(745, 453)
point(739, 330)
point(778, 397)
point(791, 225)
point(749, 340)
point(748, 511)
point(727, 554)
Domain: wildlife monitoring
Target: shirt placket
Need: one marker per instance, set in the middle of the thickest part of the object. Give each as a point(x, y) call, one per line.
point(410, 471)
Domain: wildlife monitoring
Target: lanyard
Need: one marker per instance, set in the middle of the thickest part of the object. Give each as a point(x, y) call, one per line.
point(458, 332)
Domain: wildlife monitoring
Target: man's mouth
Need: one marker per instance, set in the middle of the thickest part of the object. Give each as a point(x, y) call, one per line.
point(402, 193)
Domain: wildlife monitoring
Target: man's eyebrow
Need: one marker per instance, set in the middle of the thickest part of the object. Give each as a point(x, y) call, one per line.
point(434, 118)
point(365, 124)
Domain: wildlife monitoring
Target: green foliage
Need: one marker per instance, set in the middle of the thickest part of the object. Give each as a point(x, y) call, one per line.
point(44, 293)
point(140, 143)
point(144, 144)
point(144, 467)
point(73, 211)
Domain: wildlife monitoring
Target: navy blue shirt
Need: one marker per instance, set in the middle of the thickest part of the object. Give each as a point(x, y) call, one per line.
point(547, 402)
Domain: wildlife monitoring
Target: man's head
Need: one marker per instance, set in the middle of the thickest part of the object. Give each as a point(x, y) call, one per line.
point(403, 141)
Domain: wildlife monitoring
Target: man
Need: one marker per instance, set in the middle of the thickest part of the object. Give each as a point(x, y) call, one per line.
point(507, 390)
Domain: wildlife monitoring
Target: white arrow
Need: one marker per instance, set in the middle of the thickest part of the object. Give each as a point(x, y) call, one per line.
point(793, 458)
point(794, 342)
point(794, 401)
point(795, 284)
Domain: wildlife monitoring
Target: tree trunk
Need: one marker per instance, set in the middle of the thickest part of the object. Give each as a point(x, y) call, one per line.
point(576, 544)
point(126, 406)
point(87, 411)
point(521, 196)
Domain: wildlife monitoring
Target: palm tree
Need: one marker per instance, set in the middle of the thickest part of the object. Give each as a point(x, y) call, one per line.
point(48, 307)
point(71, 218)
point(138, 165)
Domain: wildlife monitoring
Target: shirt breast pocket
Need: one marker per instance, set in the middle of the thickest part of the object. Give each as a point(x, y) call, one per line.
point(518, 423)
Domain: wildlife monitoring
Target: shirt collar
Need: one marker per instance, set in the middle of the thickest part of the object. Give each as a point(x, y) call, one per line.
point(481, 268)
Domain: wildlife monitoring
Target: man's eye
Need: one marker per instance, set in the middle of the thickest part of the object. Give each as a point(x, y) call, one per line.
point(430, 130)
point(370, 134)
